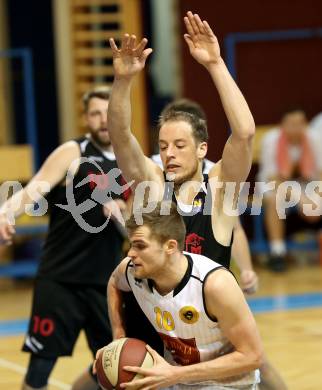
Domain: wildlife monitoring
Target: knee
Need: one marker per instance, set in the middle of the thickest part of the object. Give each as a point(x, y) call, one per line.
point(38, 372)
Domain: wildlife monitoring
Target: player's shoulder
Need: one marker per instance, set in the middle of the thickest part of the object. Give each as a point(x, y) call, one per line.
point(124, 264)
point(219, 282)
point(202, 265)
point(71, 146)
point(66, 152)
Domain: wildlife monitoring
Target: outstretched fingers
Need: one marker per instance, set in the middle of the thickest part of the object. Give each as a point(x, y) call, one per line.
point(199, 23)
point(125, 42)
point(113, 45)
point(132, 42)
point(193, 23)
point(208, 29)
point(140, 47)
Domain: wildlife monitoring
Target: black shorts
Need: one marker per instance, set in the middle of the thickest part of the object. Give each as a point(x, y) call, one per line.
point(60, 311)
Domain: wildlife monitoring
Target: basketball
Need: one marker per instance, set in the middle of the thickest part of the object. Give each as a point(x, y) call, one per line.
point(116, 355)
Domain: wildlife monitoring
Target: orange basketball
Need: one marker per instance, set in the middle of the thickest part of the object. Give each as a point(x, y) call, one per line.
point(116, 355)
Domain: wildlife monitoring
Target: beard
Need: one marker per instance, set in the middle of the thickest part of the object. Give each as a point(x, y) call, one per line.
point(186, 176)
point(102, 139)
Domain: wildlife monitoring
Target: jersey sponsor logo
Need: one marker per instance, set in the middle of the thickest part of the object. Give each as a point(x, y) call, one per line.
point(194, 243)
point(197, 205)
point(183, 351)
point(189, 315)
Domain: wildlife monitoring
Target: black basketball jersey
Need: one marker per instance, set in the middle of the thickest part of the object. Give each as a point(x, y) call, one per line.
point(199, 233)
point(72, 252)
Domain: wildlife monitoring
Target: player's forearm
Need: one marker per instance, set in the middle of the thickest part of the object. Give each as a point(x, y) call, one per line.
point(240, 250)
point(119, 113)
point(236, 108)
point(226, 366)
point(115, 309)
point(128, 152)
point(19, 203)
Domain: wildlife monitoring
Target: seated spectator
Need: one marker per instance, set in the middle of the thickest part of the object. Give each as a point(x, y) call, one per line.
point(289, 152)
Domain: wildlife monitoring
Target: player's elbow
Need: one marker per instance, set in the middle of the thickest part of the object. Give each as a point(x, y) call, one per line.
point(247, 132)
point(256, 358)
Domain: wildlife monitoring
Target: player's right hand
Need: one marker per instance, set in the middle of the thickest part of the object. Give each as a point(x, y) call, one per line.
point(6, 230)
point(130, 58)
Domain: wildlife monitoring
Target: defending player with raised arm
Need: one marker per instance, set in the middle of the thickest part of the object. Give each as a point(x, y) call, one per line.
point(209, 334)
point(182, 137)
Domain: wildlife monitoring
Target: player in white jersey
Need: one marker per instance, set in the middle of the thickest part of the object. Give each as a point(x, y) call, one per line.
point(209, 333)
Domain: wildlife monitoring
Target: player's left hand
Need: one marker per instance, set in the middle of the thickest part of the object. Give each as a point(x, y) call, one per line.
point(202, 42)
point(162, 374)
point(249, 281)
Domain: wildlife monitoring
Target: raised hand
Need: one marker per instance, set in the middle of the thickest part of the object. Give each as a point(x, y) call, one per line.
point(130, 58)
point(201, 40)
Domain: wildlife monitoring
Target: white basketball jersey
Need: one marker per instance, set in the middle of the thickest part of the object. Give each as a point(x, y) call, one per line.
point(180, 317)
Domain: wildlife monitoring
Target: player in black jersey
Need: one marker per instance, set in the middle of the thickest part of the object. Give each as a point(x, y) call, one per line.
point(240, 247)
point(183, 143)
point(81, 249)
point(183, 140)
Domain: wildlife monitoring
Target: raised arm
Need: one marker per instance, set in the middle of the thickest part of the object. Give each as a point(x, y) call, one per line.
point(241, 255)
point(204, 47)
point(128, 61)
point(51, 172)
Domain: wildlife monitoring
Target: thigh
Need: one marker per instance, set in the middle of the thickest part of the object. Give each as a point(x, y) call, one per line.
point(56, 320)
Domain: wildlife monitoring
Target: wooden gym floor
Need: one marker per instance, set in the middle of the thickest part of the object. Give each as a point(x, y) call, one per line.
point(288, 311)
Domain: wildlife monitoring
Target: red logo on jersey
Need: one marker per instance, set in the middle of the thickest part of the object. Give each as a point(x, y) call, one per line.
point(99, 180)
point(193, 243)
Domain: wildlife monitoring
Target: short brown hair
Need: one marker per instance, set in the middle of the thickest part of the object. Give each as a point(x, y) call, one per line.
point(185, 105)
point(190, 114)
point(101, 92)
point(162, 227)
